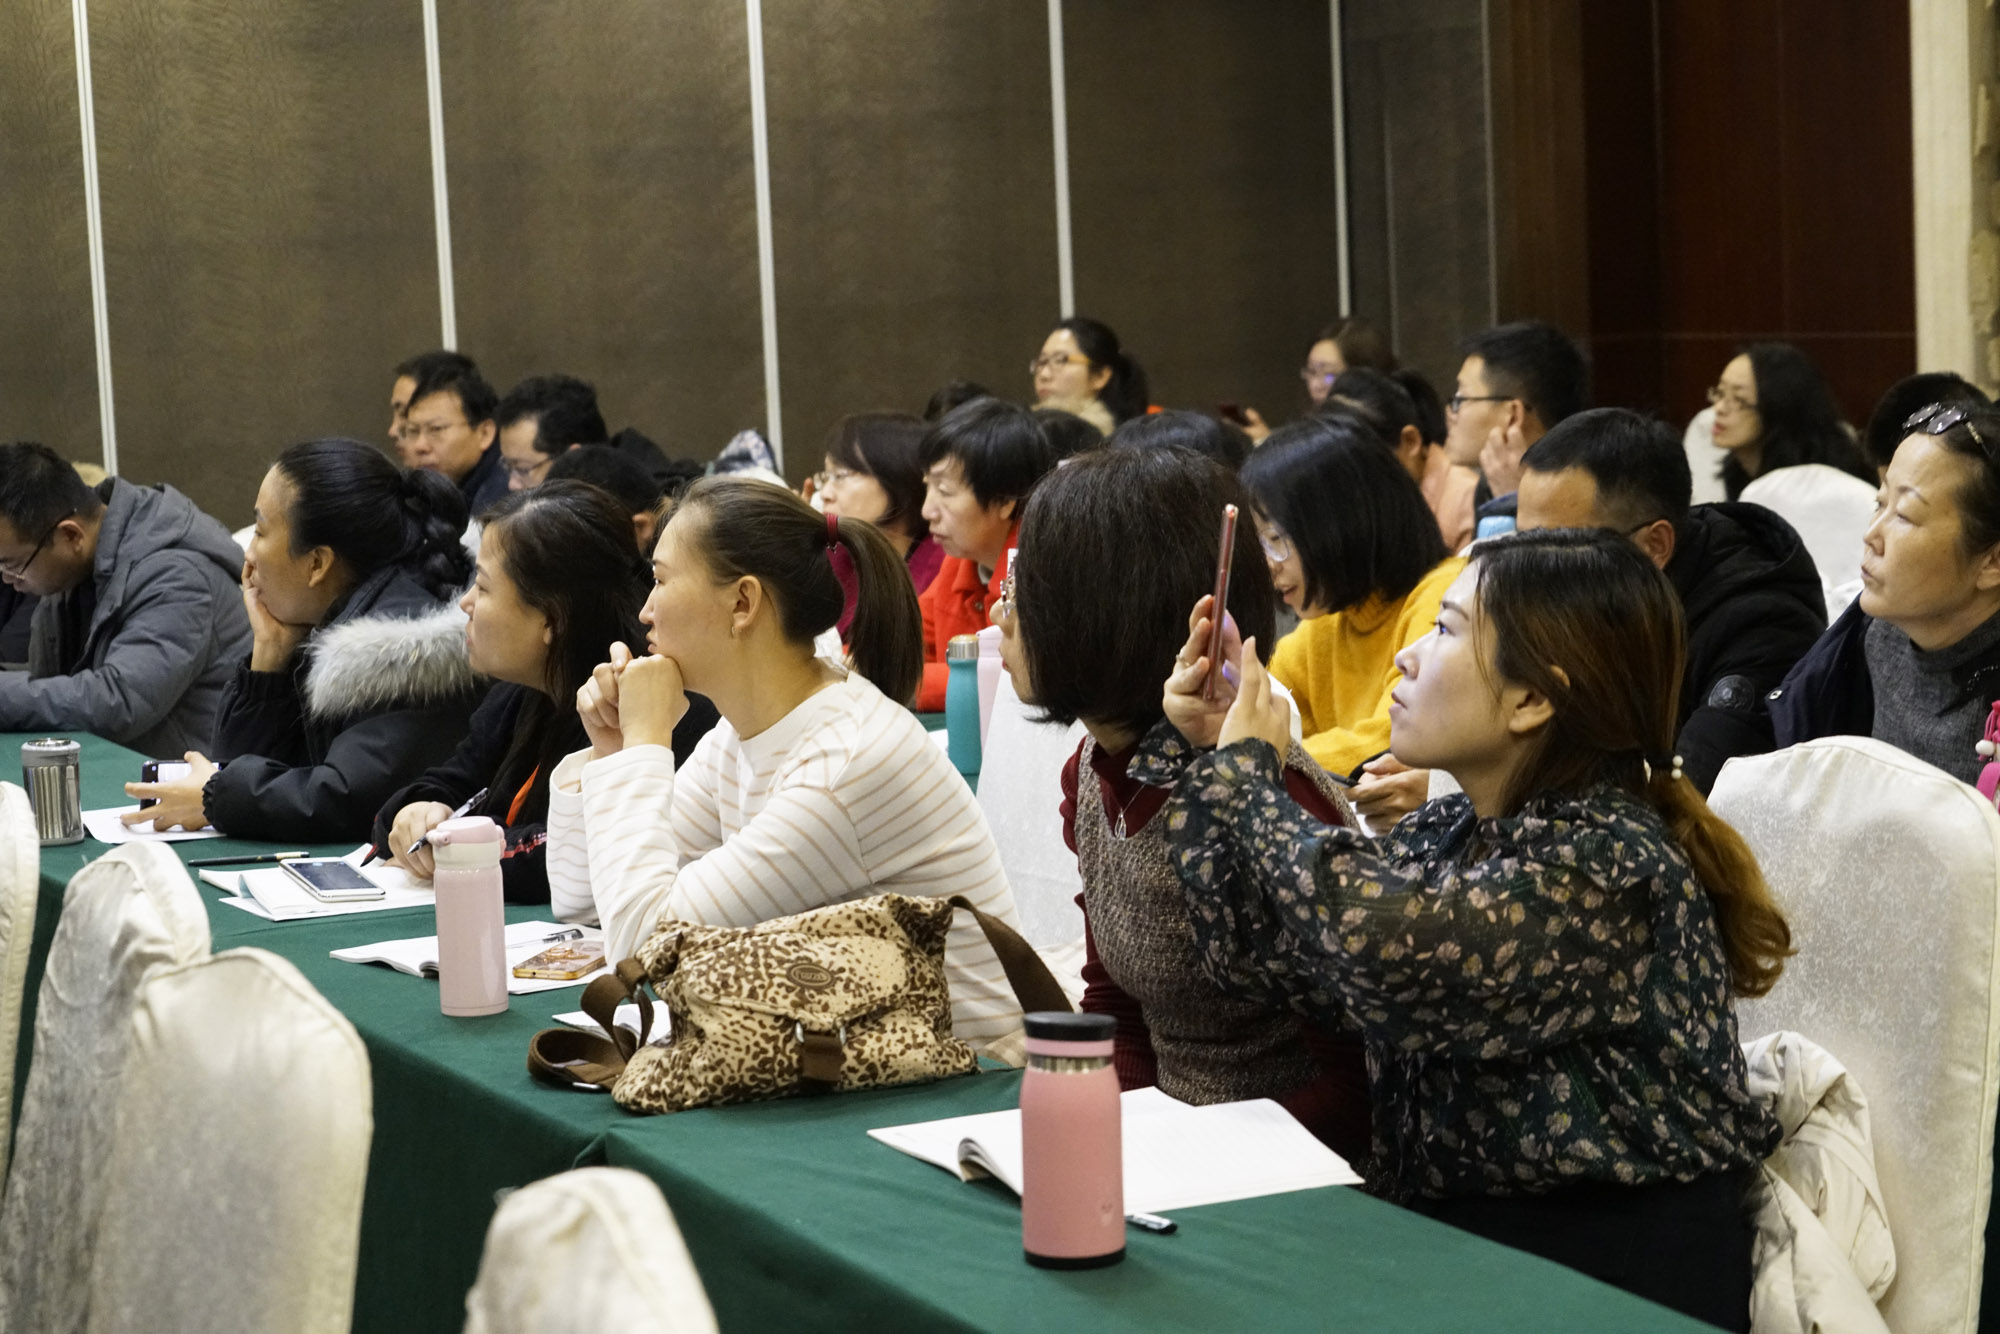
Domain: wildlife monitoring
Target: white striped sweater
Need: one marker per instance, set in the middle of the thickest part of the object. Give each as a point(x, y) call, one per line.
point(843, 797)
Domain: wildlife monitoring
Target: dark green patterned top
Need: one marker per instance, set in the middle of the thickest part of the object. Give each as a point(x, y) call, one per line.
point(1545, 997)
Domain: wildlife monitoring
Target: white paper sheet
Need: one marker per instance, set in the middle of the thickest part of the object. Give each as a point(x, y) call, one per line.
point(1176, 1156)
point(104, 826)
point(417, 955)
point(269, 892)
point(626, 1017)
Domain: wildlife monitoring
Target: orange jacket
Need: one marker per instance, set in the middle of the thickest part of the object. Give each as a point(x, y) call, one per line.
point(956, 603)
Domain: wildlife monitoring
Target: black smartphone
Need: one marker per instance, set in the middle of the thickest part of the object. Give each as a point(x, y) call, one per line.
point(1232, 413)
point(160, 771)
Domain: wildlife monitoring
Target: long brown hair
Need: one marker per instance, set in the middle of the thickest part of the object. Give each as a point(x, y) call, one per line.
point(750, 527)
point(1583, 617)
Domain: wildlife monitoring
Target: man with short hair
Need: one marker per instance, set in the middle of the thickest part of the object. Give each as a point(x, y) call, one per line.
point(542, 418)
point(141, 621)
point(1517, 381)
point(622, 476)
point(407, 374)
point(1748, 587)
point(449, 429)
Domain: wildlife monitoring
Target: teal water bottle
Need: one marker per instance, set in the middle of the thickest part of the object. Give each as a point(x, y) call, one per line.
point(961, 704)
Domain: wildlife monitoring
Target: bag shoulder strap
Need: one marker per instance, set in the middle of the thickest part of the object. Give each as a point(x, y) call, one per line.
point(572, 1056)
point(1034, 985)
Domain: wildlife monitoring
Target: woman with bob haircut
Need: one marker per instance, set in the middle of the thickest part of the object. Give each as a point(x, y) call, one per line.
point(872, 475)
point(559, 577)
point(1543, 967)
point(357, 680)
point(1773, 410)
point(1354, 549)
point(1080, 646)
point(818, 786)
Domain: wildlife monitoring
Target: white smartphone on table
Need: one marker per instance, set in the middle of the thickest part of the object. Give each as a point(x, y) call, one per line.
point(331, 880)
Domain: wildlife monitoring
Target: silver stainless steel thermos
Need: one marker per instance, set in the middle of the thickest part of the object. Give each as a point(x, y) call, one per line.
point(52, 773)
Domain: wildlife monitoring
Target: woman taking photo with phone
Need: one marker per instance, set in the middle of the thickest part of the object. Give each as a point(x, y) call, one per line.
point(1543, 967)
point(816, 787)
point(559, 579)
point(357, 680)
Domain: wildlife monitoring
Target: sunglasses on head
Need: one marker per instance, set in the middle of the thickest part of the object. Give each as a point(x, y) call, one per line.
point(1941, 417)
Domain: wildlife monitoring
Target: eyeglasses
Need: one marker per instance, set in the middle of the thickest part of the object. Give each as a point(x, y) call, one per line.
point(1277, 546)
point(526, 471)
point(1457, 401)
point(1941, 417)
point(14, 570)
point(1056, 361)
point(432, 430)
point(835, 477)
point(1314, 373)
point(1720, 398)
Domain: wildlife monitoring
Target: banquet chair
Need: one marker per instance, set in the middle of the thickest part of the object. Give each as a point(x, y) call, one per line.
point(1889, 872)
point(124, 916)
point(583, 1252)
point(1830, 509)
point(20, 886)
point(232, 1199)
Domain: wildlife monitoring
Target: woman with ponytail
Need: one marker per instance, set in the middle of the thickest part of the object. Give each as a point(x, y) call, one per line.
point(1084, 369)
point(817, 786)
point(1543, 967)
point(357, 679)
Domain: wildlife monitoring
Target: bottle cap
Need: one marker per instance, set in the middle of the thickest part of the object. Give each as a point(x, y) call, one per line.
point(962, 648)
point(466, 829)
point(1062, 1026)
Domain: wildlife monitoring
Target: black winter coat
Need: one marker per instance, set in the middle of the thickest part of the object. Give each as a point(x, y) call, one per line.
point(376, 696)
point(1754, 606)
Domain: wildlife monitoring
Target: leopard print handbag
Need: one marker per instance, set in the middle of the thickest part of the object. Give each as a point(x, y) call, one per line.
point(852, 995)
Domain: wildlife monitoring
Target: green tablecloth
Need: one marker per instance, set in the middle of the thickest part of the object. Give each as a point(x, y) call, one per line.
point(796, 1219)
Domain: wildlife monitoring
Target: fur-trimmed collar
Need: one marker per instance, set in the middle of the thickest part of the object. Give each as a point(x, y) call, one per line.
point(376, 662)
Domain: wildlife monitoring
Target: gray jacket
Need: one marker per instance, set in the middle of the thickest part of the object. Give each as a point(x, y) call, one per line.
point(166, 635)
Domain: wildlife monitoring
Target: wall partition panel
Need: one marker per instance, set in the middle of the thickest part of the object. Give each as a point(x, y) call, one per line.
point(48, 356)
point(602, 205)
point(1202, 190)
point(269, 250)
point(913, 200)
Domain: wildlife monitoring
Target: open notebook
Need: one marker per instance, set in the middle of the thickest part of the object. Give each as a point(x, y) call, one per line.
point(1176, 1155)
point(418, 955)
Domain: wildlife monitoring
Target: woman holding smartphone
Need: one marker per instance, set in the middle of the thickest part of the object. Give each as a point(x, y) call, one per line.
point(816, 787)
point(1544, 966)
point(558, 579)
point(357, 680)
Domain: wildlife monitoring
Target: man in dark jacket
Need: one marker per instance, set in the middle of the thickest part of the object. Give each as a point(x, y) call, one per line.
point(1751, 594)
point(141, 620)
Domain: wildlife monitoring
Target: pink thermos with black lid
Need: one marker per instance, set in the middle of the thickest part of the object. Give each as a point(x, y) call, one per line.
point(1072, 1155)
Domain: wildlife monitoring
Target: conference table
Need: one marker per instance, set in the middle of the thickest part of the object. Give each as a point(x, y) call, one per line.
point(797, 1220)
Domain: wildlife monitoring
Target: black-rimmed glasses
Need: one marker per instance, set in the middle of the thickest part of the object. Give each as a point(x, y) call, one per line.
point(16, 571)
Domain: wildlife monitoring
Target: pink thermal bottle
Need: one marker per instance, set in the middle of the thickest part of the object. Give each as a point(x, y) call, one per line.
point(471, 922)
point(1072, 1157)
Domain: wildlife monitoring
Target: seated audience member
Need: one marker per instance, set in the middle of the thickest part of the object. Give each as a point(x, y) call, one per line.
point(1348, 344)
point(1773, 410)
point(1180, 429)
point(140, 624)
point(1354, 549)
point(449, 429)
point(980, 463)
point(951, 394)
point(357, 680)
point(1915, 660)
point(557, 581)
point(1516, 382)
point(1079, 645)
point(1544, 966)
point(1084, 369)
point(17, 612)
point(1904, 400)
point(422, 366)
point(871, 474)
point(815, 788)
point(1389, 404)
point(542, 418)
point(1748, 589)
point(1068, 433)
point(620, 474)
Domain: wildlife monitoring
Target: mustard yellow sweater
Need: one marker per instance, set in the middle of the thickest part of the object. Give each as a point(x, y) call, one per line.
point(1341, 667)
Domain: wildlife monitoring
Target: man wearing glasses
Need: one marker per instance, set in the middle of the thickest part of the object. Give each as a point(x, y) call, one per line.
point(449, 428)
point(1516, 382)
point(141, 621)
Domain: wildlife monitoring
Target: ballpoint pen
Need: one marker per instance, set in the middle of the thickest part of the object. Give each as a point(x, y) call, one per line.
point(470, 802)
point(244, 859)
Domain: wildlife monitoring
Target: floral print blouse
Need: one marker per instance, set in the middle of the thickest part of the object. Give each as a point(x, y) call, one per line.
point(1545, 997)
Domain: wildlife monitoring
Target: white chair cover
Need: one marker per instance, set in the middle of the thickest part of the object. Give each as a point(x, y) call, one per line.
point(1020, 790)
point(1889, 871)
point(20, 887)
point(1830, 509)
point(124, 916)
point(233, 1198)
point(586, 1252)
